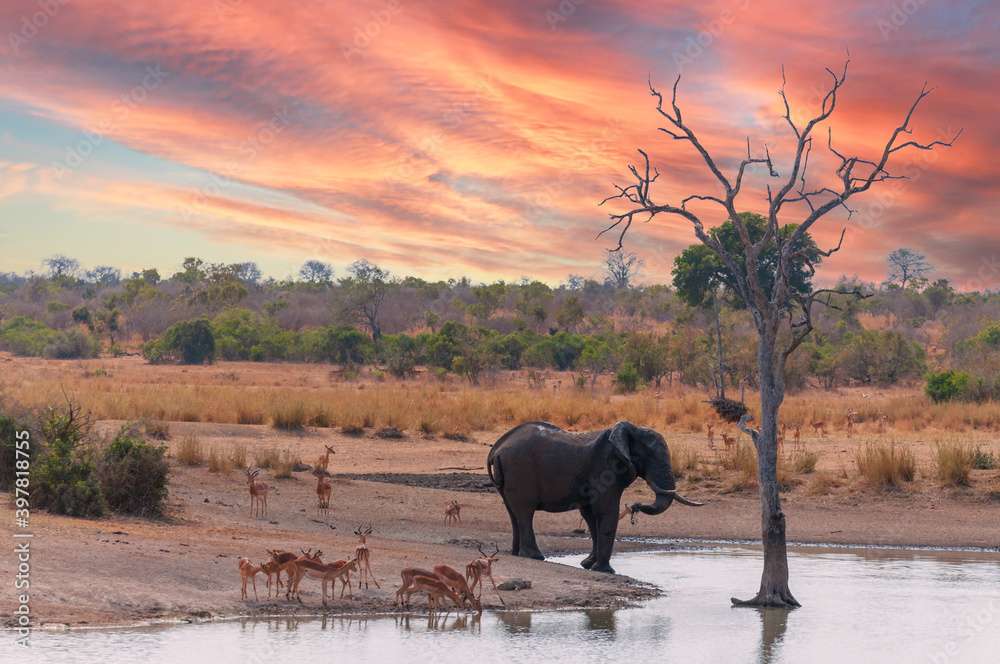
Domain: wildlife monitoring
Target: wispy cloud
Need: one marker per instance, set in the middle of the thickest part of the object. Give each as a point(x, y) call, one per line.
point(476, 137)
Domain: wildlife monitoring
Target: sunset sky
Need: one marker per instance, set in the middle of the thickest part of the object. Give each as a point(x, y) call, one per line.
point(468, 137)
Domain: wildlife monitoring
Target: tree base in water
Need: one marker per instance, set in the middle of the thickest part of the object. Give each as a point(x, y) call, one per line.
point(773, 599)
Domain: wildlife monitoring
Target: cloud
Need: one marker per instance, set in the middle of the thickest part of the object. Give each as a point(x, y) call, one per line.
point(477, 137)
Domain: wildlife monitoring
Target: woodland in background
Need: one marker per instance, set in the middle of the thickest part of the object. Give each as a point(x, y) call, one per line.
point(908, 328)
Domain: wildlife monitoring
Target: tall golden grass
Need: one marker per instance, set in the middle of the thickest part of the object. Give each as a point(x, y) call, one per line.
point(954, 462)
point(886, 466)
point(165, 393)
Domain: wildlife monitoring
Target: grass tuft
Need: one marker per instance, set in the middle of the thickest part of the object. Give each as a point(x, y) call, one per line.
point(886, 466)
point(954, 463)
point(190, 451)
point(290, 417)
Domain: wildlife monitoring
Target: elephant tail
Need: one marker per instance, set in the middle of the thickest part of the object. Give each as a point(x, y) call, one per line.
point(494, 470)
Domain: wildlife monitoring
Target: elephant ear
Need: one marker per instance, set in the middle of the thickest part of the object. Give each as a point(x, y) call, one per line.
point(620, 436)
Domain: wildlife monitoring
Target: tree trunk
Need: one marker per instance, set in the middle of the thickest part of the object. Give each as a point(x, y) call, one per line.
point(721, 390)
point(774, 580)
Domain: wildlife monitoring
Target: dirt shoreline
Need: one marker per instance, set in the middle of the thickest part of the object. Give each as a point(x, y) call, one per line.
point(123, 571)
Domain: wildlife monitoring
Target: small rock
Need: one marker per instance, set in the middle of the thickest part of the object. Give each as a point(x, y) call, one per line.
point(389, 432)
point(301, 468)
point(514, 584)
point(579, 531)
point(206, 500)
point(118, 532)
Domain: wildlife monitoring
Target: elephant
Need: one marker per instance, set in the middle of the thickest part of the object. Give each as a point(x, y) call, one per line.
point(538, 466)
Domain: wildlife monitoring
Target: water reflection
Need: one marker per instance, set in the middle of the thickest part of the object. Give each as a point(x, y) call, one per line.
point(773, 623)
point(602, 620)
point(858, 607)
point(515, 622)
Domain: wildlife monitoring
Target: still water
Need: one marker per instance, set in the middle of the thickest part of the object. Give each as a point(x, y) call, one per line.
point(859, 606)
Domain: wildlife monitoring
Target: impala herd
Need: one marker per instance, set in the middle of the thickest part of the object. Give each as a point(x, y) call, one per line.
point(818, 426)
point(439, 584)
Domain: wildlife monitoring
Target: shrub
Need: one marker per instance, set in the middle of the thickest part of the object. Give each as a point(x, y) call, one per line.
point(289, 417)
point(627, 378)
point(946, 385)
point(683, 458)
point(189, 342)
point(284, 464)
point(26, 336)
point(886, 466)
point(983, 460)
point(72, 344)
point(742, 458)
point(9, 437)
point(954, 463)
point(133, 475)
point(190, 452)
point(64, 476)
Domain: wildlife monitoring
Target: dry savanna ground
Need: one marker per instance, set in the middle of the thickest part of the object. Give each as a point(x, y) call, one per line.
point(900, 477)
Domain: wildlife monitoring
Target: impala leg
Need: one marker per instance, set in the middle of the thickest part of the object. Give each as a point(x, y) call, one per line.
point(254, 579)
point(496, 590)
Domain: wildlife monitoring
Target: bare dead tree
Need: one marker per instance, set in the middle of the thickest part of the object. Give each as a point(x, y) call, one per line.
point(622, 268)
point(781, 317)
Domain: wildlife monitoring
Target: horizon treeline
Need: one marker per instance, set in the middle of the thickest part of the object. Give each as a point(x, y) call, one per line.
point(639, 334)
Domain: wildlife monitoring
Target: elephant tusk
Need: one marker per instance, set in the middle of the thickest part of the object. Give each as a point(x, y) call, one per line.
point(681, 499)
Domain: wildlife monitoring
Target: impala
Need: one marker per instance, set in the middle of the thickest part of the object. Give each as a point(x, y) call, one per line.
point(248, 571)
point(454, 579)
point(452, 513)
point(258, 493)
point(363, 556)
point(480, 567)
point(323, 491)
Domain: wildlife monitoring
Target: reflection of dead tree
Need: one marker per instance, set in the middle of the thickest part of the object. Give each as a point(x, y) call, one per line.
point(781, 316)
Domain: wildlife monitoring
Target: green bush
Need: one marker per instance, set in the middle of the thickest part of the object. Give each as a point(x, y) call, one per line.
point(187, 342)
point(399, 352)
point(72, 344)
point(64, 476)
point(946, 385)
point(133, 475)
point(26, 336)
point(627, 378)
point(9, 429)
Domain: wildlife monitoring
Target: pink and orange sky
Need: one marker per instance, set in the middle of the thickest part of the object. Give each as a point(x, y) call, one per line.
point(467, 137)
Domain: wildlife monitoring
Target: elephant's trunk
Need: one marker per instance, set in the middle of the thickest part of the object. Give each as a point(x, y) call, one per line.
point(663, 499)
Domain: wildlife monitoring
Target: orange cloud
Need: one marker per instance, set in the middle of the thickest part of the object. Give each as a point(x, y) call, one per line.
point(476, 138)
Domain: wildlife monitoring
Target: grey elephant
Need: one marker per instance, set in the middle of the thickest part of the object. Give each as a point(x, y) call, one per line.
point(538, 466)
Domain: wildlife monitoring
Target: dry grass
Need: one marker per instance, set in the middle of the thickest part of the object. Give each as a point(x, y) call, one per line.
point(284, 463)
point(954, 462)
point(821, 484)
point(217, 463)
point(804, 462)
point(246, 415)
point(266, 458)
point(170, 393)
point(886, 466)
point(683, 459)
point(156, 430)
point(190, 452)
point(238, 456)
point(289, 417)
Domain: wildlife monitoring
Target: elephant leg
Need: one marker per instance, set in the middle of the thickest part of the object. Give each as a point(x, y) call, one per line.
point(528, 547)
point(515, 542)
point(607, 527)
point(588, 515)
